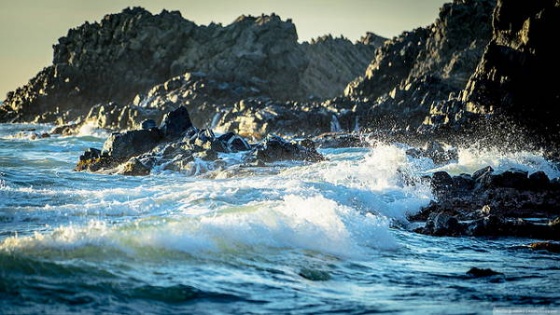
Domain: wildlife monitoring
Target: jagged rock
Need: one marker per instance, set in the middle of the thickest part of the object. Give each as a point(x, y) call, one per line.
point(122, 146)
point(486, 203)
point(175, 123)
point(511, 83)
point(424, 66)
point(126, 54)
point(179, 146)
point(275, 149)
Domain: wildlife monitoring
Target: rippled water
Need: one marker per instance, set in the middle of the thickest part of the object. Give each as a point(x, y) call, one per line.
point(288, 238)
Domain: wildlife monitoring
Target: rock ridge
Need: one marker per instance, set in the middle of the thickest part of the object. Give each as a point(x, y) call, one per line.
point(126, 54)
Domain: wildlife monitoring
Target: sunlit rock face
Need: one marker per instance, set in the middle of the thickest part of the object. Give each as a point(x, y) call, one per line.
point(514, 77)
point(424, 66)
point(511, 85)
point(127, 54)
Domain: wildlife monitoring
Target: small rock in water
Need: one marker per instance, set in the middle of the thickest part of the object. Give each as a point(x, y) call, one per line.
point(548, 246)
point(481, 272)
point(314, 274)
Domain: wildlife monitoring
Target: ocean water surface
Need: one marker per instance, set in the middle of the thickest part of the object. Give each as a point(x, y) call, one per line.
point(288, 238)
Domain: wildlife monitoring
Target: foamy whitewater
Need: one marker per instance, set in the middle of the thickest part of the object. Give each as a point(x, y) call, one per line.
point(288, 238)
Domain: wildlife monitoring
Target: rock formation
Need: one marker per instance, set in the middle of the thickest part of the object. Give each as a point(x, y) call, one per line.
point(178, 145)
point(482, 67)
point(486, 203)
point(512, 81)
point(127, 54)
point(425, 66)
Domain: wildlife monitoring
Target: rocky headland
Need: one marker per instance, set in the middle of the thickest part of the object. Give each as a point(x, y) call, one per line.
point(175, 93)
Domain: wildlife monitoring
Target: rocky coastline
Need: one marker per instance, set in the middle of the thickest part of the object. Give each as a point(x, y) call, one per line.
point(174, 93)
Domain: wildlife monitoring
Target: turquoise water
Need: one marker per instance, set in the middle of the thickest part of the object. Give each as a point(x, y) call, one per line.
point(289, 238)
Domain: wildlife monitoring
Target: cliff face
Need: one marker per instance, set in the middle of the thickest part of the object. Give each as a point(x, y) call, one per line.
point(126, 54)
point(515, 76)
point(426, 65)
point(512, 82)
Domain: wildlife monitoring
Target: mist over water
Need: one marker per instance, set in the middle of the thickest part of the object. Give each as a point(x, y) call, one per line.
point(289, 237)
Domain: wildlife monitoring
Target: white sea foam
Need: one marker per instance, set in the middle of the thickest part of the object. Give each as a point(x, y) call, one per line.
point(472, 159)
point(91, 129)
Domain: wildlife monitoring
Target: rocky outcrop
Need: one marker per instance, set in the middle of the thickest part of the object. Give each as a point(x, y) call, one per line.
point(424, 66)
point(177, 145)
point(512, 81)
point(125, 55)
point(486, 203)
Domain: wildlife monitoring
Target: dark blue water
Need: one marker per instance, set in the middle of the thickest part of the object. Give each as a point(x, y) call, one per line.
point(289, 238)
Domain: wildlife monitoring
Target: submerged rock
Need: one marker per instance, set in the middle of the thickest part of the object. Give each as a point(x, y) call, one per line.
point(483, 272)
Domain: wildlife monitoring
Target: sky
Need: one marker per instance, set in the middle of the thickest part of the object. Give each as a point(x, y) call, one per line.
point(29, 28)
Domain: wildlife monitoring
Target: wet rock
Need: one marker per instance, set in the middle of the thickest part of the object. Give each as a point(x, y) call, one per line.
point(275, 148)
point(547, 246)
point(230, 142)
point(122, 146)
point(443, 223)
point(476, 272)
point(490, 204)
point(134, 167)
point(175, 123)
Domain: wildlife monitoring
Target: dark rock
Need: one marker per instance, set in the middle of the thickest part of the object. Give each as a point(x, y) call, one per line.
point(511, 83)
point(122, 146)
point(176, 122)
point(442, 183)
point(538, 181)
point(126, 54)
point(548, 246)
point(463, 183)
point(91, 154)
point(275, 148)
point(148, 124)
point(233, 143)
point(503, 204)
point(134, 167)
point(513, 178)
point(337, 140)
point(426, 66)
point(482, 272)
point(443, 223)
